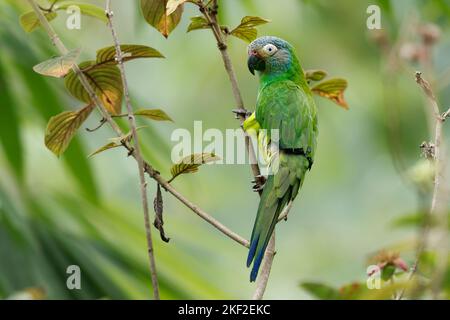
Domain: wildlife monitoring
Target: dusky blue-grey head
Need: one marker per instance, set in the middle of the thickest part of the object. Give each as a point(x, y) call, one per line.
point(271, 56)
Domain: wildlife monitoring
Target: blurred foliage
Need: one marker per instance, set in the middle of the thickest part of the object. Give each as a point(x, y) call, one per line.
point(80, 211)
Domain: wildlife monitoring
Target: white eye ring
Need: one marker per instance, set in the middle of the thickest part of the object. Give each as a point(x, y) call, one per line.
point(270, 49)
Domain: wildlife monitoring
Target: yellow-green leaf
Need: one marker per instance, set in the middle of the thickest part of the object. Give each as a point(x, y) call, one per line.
point(154, 114)
point(129, 52)
point(58, 67)
point(86, 9)
point(107, 146)
point(173, 5)
point(197, 23)
point(115, 142)
point(321, 291)
point(155, 13)
point(246, 29)
point(332, 89)
point(61, 128)
point(29, 20)
point(191, 163)
point(106, 81)
point(315, 75)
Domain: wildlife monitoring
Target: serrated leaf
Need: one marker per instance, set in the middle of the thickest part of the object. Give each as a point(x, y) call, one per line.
point(62, 127)
point(315, 75)
point(129, 52)
point(332, 89)
point(110, 145)
point(321, 291)
point(173, 5)
point(106, 81)
point(246, 29)
point(85, 9)
point(155, 13)
point(191, 163)
point(154, 114)
point(29, 20)
point(58, 67)
point(197, 23)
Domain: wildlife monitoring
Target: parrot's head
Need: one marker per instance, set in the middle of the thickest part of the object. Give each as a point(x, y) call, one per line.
point(271, 55)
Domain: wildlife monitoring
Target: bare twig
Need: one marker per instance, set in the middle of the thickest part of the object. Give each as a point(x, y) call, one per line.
point(137, 152)
point(211, 17)
point(201, 213)
point(438, 199)
point(148, 168)
point(261, 283)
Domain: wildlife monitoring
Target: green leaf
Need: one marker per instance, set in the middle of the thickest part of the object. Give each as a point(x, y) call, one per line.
point(246, 29)
point(85, 9)
point(115, 142)
point(416, 220)
point(332, 89)
point(197, 23)
point(155, 13)
point(173, 5)
point(61, 128)
point(58, 67)
point(315, 75)
point(191, 163)
point(387, 272)
point(106, 81)
point(321, 291)
point(29, 20)
point(353, 291)
point(154, 114)
point(107, 146)
point(129, 52)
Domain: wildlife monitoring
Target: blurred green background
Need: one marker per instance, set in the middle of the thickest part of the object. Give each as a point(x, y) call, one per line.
point(78, 211)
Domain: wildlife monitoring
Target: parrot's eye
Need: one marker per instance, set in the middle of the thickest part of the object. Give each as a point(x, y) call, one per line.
point(270, 49)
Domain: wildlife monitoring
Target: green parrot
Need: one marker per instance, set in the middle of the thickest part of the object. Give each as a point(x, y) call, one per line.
point(284, 103)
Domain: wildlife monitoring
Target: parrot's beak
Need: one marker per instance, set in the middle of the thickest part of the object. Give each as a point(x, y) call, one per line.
point(255, 62)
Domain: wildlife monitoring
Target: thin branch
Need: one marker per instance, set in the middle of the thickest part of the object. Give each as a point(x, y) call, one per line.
point(261, 283)
point(211, 17)
point(148, 168)
point(438, 200)
point(137, 152)
point(201, 213)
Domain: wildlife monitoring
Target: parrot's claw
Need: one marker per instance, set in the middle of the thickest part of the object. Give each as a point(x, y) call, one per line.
point(241, 113)
point(259, 183)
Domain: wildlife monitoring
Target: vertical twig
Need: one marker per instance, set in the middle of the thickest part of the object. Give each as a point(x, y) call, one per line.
point(137, 152)
point(438, 199)
point(263, 278)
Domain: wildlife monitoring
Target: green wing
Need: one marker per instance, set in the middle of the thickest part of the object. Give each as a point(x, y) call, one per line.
point(283, 105)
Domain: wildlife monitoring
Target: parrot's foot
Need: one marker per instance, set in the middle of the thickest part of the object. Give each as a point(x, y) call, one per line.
point(258, 183)
point(241, 113)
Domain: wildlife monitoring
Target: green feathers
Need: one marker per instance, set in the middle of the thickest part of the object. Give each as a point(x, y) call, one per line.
point(284, 104)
